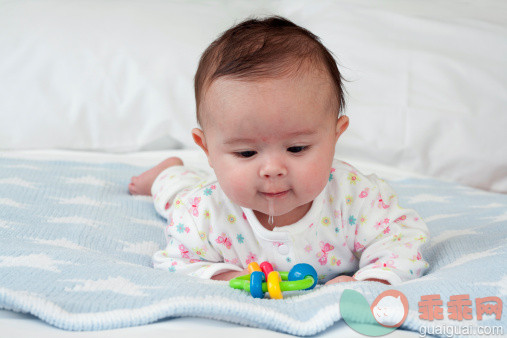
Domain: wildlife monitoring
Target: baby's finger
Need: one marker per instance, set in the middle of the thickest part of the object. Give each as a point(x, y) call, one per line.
point(340, 279)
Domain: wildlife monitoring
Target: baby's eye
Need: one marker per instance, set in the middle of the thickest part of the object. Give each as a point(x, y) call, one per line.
point(297, 149)
point(246, 154)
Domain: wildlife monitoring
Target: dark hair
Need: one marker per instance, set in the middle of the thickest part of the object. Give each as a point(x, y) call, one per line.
point(256, 49)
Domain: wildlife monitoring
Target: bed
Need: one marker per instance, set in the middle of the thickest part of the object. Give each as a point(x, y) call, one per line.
point(94, 92)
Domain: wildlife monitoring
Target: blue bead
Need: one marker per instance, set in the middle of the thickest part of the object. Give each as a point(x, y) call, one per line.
point(300, 271)
point(256, 278)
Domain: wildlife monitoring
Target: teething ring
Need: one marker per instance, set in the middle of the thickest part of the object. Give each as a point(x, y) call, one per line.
point(301, 277)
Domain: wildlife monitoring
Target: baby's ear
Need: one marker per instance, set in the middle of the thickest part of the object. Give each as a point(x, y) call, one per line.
point(341, 126)
point(200, 140)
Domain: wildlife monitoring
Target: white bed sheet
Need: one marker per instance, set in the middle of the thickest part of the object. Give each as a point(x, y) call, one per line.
point(191, 157)
point(23, 325)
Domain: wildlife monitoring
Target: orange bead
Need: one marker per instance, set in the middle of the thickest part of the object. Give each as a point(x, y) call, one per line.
point(254, 267)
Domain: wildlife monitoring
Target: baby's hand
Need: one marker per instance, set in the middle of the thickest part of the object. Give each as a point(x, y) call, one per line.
point(341, 279)
point(230, 275)
point(344, 278)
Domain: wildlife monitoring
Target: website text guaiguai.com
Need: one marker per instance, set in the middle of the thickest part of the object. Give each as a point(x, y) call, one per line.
point(465, 330)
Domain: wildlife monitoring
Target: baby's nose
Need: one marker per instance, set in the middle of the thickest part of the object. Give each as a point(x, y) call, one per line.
point(273, 170)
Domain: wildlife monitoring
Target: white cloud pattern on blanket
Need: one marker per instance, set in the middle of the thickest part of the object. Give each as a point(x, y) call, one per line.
point(75, 220)
point(497, 218)
point(428, 198)
point(12, 203)
point(61, 242)
point(91, 180)
point(83, 200)
point(143, 248)
point(18, 181)
point(40, 261)
point(113, 284)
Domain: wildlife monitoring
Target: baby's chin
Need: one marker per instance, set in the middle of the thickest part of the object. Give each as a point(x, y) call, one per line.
point(276, 210)
point(280, 206)
point(286, 212)
point(267, 213)
point(263, 211)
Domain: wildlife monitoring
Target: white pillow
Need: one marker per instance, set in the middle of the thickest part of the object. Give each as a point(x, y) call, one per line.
point(427, 86)
point(102, 75)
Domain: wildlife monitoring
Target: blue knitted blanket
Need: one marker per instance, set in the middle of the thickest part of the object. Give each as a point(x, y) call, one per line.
point(75, 251)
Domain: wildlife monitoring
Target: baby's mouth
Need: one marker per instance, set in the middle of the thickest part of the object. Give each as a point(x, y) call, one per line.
point(275, 194)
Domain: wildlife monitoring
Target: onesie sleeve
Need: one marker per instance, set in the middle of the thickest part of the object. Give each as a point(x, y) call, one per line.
point(168, 184)
point(386, 238)
point(188, 249)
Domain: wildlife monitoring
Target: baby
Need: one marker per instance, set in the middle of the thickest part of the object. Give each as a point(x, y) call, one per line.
point(269, 100)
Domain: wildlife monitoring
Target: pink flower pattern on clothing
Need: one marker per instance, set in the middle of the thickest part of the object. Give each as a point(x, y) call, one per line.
point(385, 265)
point(251, 258)
point(401, 218)
point(324, 249)
point(183, 251)
point(194, 206)
point(223, 239)
point(381, 203)
point(364, 193)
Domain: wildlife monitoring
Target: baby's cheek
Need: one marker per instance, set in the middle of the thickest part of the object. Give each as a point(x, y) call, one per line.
point(314, 179)
point(236, 187)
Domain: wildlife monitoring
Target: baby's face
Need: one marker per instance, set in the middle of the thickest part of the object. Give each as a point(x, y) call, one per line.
point(272, 139)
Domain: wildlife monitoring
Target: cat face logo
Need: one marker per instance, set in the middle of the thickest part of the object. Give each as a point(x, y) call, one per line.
point(387, 312)
point(390, 308)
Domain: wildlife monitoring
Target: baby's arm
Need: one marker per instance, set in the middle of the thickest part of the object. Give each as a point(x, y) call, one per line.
point(386, 238)
point(189, 249)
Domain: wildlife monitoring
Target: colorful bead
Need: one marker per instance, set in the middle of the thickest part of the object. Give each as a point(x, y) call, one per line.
point(253, 267)
point(256, 279)
point(301, 271)
point(266, 267)
point(274, 290)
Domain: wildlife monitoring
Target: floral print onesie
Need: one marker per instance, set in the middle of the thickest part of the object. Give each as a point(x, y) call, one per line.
point(355, 225)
